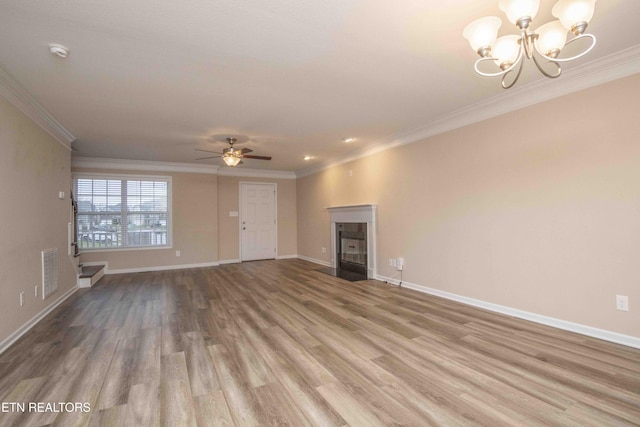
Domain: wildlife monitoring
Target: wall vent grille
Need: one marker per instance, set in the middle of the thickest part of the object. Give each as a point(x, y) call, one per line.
point(49, 272)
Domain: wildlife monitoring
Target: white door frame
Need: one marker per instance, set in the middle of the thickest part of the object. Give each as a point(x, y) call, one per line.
point(275, 213)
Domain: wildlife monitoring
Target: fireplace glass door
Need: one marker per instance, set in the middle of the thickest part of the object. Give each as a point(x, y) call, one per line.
point(352, 247)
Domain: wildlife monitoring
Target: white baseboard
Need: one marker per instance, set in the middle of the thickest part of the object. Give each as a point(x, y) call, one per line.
point(589, 331)
point(229, 261)
point(314, 260)
point(295, 256)
point(34, 320)
point(158, 268)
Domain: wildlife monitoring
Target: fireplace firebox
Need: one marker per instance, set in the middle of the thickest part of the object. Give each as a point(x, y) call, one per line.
point(351, 239)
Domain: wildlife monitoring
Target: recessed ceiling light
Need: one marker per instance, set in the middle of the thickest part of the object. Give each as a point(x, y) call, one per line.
point(59, 50)
point(349, 139)
point(308, 157)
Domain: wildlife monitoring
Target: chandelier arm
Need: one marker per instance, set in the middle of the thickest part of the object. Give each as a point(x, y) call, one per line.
point(526, 43)
point(502, 82)
point(581, 36)
point(519, 59)
point(482, 73)
point(552, 61)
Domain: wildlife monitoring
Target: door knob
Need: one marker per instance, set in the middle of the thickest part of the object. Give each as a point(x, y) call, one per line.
point(244, 228)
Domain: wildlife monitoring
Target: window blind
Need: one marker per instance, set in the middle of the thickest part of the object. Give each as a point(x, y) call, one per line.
point(119, 212)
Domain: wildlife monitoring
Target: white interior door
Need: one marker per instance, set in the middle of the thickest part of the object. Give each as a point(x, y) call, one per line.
point(257, 221)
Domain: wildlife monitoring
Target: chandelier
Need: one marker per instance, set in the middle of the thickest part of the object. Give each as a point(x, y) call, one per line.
point(543, 45)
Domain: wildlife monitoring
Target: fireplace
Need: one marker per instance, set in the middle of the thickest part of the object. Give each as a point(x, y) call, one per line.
point(353, 241)
point(351, 245)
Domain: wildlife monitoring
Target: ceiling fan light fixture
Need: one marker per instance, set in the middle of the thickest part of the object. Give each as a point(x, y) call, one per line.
point(232, 156)
point(231, 160)
point(348, 139)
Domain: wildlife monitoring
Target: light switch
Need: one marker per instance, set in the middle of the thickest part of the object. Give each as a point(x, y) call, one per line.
point(61, 195)
point(233, 213)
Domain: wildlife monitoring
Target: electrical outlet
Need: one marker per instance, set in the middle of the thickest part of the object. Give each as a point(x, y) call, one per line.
point(400, 264)
point(391, 262)
point(394, 263)
point(21, 299)
point(622, 302)
point(324, 250)
point(177, 253)
point(36, 294)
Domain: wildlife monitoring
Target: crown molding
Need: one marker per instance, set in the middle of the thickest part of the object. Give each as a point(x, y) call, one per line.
point(155, 166)
point(612, 67)
point(141, 165)
point(256, 173)
point(20, 98)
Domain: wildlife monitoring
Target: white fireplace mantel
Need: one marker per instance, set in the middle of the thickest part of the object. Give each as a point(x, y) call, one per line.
point(356, 213)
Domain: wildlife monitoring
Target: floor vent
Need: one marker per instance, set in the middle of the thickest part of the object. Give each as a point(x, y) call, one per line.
point(49, 272)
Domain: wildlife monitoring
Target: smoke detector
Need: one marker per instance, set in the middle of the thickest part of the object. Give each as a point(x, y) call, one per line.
point(59, 50)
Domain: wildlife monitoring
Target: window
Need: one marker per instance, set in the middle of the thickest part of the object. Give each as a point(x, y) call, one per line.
point(122, 211)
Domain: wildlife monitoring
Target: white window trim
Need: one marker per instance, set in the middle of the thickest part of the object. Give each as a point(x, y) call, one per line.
point(120, 176)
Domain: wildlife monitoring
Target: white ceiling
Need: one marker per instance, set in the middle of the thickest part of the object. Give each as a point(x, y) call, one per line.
point(155, 79)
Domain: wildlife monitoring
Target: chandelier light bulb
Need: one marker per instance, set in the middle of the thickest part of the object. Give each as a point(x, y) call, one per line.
point(506, 50)
point(574, 13)
point(552, 37)
point(482, 33)
point(517, 9)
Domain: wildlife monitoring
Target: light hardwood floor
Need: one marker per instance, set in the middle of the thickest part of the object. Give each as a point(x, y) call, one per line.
point(277, 343)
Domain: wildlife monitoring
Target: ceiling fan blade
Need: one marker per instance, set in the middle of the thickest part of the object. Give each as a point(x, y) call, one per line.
point(245, 150)
point(207, 151)
point(211, 157)
point(257, 157)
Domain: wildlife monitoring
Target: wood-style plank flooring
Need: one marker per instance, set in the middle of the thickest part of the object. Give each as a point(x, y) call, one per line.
point(277, 343)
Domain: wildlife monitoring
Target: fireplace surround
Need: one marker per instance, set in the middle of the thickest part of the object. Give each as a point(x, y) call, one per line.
point(358, 229)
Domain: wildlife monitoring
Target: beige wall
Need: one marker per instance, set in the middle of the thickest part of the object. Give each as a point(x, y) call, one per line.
point(195, 226)
point(537, 210)
point(34, 167)
point(229, 201)
point(202, 229)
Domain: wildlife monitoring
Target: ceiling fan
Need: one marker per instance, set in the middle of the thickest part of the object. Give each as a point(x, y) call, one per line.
point(233, 156)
